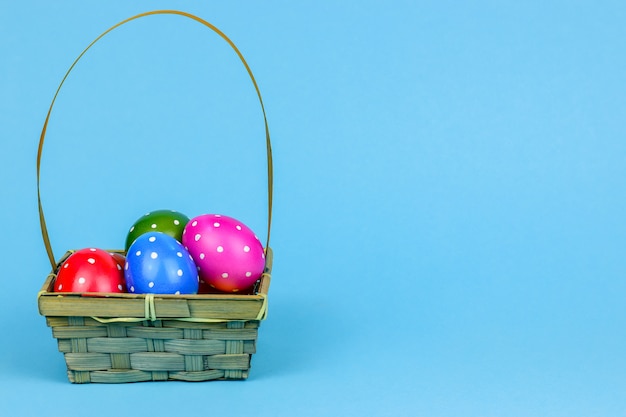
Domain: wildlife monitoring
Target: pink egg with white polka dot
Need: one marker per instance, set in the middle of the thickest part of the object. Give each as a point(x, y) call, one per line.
point(229, 256)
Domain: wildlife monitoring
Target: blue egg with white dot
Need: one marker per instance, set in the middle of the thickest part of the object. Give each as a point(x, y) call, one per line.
point(156, 263)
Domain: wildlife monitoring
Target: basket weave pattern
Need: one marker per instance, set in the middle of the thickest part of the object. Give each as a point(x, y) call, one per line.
point(154, 351)
point(155, 338)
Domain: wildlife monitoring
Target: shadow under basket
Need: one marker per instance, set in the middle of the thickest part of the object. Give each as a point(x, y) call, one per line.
point(118, 338)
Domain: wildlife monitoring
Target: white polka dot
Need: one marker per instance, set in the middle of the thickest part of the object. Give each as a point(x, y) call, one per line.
point(81, 280)
point(190, 257)
point(218, 215)
point(216, 224)
point(246, 248)
point(184, 231)
point(197, 237)
point(119, 287)
point(138, 253)
point(132, 228)
point(66, 265)
point(177, 293)
point(92, 249)
point(238, 227)
point(202, 255)
point(60, 287)
point(220, 249)
point(154, 255)
point(176, 222)
point(179, 272)
point(154, 226)
point(248, 274)
point(152, 238)
point(263, 255)
point(132, 289)
point(179, 254)
point(91, 261)
point(119, 267)
point(151, 284)
point(225, 275)
point(194, 223)
point(126, 267)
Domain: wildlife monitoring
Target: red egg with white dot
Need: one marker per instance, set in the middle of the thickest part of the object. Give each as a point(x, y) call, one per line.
point(119, 259)
point(229, 256)
point(90, 270)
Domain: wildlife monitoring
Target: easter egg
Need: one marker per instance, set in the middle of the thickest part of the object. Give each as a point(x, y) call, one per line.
point(206, 288)
point(157, 263)
point(119, 258)
point(90, 270)
point(169, 222)
point(228, 254)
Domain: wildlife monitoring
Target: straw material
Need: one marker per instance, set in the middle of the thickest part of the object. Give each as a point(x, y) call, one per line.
point(113, 338)
point(189, 338)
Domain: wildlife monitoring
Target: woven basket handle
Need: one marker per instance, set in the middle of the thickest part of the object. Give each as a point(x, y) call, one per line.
point(42, 220)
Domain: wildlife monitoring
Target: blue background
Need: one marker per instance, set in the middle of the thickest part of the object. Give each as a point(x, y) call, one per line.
point(449, 224)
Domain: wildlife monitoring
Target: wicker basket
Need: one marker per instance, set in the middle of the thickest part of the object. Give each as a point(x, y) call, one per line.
point(114, 338)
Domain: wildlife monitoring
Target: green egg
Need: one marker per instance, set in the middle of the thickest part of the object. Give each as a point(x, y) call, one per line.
point(169, 222)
